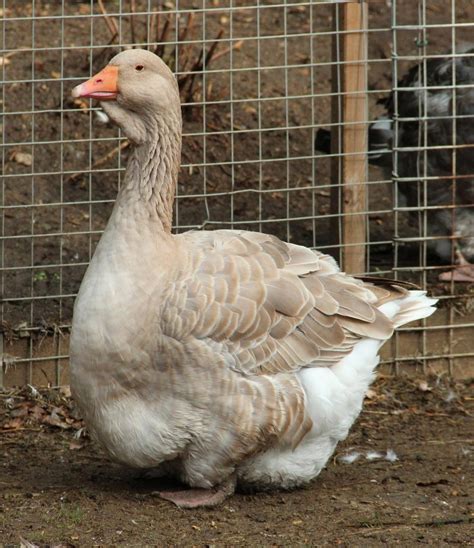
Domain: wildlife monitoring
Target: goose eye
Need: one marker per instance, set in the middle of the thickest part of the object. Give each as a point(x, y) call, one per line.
point(139, 68)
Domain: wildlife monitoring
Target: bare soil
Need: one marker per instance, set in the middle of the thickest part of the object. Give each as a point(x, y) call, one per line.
point(58, 490)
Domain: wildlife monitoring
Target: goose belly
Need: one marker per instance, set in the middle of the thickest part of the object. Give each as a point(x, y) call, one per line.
point(141, 433)
point(127, 402)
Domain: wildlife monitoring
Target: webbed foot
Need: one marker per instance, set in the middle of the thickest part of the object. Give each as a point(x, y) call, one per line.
point(200, 498)
point(462, 272)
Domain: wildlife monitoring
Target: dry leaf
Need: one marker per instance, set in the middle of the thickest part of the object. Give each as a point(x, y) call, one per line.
point(54, 420)
point(371, 394)
point(423, 386)
point(13, 424)
point(74, 446)
point(37, 412)
point(65, 391)
point(23, 158)
point(250, 110)
point(83, 105)
point(298, 9)
point(55, 74)
point(19, 412)
point(4, 61)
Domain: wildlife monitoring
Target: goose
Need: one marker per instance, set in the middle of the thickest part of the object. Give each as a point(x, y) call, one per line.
point(439, 104)
point(219, 358)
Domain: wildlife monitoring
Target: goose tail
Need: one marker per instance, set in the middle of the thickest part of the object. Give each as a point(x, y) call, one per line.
point(415, 305)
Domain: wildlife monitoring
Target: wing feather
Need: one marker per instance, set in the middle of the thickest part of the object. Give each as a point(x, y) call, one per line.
point(268, 306)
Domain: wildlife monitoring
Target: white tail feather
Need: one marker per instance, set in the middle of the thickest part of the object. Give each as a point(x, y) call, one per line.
point(414, 306)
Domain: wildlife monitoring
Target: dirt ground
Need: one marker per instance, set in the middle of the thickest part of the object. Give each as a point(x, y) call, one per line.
point(58, 490)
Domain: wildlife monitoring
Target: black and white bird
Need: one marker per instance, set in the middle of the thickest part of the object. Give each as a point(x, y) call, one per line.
point(435, 138)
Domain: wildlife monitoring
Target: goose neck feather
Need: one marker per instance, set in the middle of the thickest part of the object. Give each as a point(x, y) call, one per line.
point(150, 181)
point(152, 172)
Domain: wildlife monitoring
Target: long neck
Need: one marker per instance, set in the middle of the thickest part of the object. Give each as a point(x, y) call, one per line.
point(152, 172)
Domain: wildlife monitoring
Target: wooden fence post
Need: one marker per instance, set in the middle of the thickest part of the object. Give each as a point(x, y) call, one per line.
point(353, 119)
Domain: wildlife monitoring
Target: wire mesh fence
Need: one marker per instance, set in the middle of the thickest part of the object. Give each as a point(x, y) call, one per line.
point(259, 80)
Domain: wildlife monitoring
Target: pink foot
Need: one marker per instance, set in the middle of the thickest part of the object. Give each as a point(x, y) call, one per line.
point(199, 498)
point(463, 272)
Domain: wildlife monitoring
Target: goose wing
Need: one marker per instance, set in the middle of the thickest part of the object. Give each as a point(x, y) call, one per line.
point(268, 306)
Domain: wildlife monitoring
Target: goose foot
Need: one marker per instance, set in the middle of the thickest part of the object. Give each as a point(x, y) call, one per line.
point(462, 272)
point(200, 498)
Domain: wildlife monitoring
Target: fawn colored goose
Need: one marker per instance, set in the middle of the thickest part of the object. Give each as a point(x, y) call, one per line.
point(223, 357)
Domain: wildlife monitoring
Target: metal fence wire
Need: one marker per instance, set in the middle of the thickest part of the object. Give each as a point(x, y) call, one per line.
point(262, 87)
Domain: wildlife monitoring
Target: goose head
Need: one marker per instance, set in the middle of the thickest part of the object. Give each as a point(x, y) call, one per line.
point(138, 92)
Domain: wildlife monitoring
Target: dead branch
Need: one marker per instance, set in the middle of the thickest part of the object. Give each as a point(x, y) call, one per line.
point(149, 29)
point(101, 53)
point(133, 8)
point(110, 21)
point(13, 430)
point(156, 28)
point(187, 28)
point(236, 46)
point(163, 38)
point(212, 49)
point(190, 77)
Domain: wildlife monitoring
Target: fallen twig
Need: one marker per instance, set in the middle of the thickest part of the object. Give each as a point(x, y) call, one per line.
point(4, 59)
point(21, 429)
point(397, 525)
point(444, 442)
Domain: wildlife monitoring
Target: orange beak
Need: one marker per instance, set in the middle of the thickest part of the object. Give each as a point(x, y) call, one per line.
point(102, 86)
